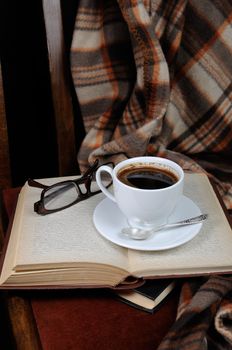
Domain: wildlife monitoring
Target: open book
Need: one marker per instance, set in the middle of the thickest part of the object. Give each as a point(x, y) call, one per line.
point(64, 249)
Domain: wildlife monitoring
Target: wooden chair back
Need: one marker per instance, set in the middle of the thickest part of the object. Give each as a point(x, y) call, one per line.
point(60, 87)
point(60, 82)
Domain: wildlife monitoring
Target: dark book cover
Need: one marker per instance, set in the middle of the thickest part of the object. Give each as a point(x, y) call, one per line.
point(148, 296)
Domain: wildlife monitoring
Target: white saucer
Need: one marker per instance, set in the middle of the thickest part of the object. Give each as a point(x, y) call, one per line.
point(109, 220)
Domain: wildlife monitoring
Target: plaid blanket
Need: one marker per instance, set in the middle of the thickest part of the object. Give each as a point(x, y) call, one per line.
point(204, 317)
point(154, 77)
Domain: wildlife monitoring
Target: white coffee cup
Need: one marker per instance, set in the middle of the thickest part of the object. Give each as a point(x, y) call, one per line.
point(144, 207)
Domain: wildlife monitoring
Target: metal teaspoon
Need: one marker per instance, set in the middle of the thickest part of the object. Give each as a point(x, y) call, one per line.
point(139, 233)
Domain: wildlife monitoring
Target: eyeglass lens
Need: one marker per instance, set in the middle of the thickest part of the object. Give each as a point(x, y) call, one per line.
point(62, 195)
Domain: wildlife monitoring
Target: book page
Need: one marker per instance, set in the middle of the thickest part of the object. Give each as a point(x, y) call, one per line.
point(14, 239)
point(210, 250)
point(64, 238)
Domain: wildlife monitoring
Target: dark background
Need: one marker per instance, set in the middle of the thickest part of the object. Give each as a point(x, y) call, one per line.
point(29, 108)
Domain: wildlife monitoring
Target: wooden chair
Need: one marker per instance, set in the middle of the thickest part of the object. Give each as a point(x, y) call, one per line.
point(20, 313)
point(92, 308)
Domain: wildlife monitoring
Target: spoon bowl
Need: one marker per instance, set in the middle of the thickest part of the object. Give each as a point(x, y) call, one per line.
point(141, 234)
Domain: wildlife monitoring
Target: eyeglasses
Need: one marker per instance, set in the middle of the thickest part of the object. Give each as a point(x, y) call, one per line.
point(64, 194)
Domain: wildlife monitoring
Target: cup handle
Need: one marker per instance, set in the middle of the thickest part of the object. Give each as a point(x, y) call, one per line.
point(107, 169)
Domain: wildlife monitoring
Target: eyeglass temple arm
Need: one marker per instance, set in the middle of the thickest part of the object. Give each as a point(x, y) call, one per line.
point(90, 170)
point(37, 184)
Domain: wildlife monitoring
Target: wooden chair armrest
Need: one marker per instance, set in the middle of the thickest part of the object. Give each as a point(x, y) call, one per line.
point(23, 324)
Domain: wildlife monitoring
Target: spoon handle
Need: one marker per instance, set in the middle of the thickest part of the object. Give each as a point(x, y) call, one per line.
point(139, 234)
point(194, 220)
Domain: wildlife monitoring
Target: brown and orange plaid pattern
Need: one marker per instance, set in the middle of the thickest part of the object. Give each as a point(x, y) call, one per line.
point(155, 77)
point(204, 319)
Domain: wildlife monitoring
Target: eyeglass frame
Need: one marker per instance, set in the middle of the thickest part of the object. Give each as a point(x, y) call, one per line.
point(85, 179)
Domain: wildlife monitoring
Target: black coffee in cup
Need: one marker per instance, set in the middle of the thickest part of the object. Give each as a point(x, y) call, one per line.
point(147, 177)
